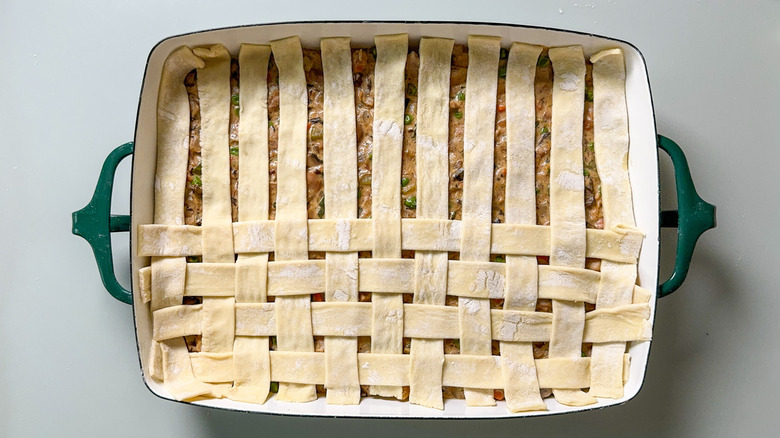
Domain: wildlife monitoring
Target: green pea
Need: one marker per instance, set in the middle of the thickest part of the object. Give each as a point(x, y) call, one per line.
point(411, 89)
point(234, 99)
point(408, 119)
point(234, 151)
point(196, 180)
point(585, 172)
point(404, 182)
point(460, 96)
point(589, 94)
point(502, 71)
point(504, 54)
point(544, 130)
point(411, 202)
point(543, 61)
point(321, 209)
point(500, 259)
point(274, 387)
point(458, 114)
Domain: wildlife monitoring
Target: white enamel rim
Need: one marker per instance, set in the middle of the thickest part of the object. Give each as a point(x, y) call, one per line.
point(643, 168)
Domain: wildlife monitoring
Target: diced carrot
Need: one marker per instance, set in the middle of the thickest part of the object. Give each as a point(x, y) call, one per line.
point(318, 297)
point(498, 394)
point(501, 107)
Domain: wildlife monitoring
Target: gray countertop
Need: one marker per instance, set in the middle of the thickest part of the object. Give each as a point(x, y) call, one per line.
point(69, 83)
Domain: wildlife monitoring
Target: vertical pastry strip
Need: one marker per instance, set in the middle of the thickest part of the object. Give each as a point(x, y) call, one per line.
point(250, 353)
point(214, 94)
point(387, 327)
point(340, 177)
point(611, 147)
point(218, 314)
point(168, 273)
point(478, 142)
point(293, 313)
point(427, 356)
point(567, 208)
point(173, 137)
point(521, 386)
point(173, 122)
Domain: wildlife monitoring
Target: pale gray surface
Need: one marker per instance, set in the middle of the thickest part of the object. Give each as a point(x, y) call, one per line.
point(69, 83)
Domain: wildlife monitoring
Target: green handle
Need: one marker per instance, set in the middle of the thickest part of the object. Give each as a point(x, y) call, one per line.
point(692, 218)
point(95, 223)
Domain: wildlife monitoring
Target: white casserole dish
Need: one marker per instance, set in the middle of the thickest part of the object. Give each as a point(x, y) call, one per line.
point(643, 168)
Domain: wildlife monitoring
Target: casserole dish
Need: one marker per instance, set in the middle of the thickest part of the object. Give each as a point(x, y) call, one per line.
point(695, 216)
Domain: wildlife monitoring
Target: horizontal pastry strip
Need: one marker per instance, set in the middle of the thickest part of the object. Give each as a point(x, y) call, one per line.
point(393, 369)
point(464, 279)
point(620, 244)
point(615, 324)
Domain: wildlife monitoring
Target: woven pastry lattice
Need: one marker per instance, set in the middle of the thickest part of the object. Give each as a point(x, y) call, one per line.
point(257, 320)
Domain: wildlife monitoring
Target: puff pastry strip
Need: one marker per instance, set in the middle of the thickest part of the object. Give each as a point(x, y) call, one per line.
point(521, 385)
point(567, 212)
point(387, 324)
point(618, 243)
point(394, 370)
point(422, 321)
point(251, 362)
point(167, 274)
point(427, 356)
point(340, 169)
point(291, 232)
point(478, 148)
point(611, 148)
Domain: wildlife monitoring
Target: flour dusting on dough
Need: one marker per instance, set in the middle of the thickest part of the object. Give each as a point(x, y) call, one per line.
point(343, 233)
point(570, 181)
point(340, 295)
point(472, 306)
point(568, 82)
point(491, 282)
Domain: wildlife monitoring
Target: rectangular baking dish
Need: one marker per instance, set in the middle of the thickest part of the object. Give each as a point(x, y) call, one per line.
point(694, 217)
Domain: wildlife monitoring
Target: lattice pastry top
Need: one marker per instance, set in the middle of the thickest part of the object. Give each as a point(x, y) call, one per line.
point(449, 221)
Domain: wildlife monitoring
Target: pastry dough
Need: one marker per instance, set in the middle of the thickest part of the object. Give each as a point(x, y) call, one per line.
point(611, 140)
point(481, 92)
point(293, 320)
point(387, 327)
point(256, 292)
point(427, 357)
point(567, 213)
point(518, 365)
point(340, 166)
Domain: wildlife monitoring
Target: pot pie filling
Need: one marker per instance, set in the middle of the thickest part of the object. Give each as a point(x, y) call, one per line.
point(453, 221)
